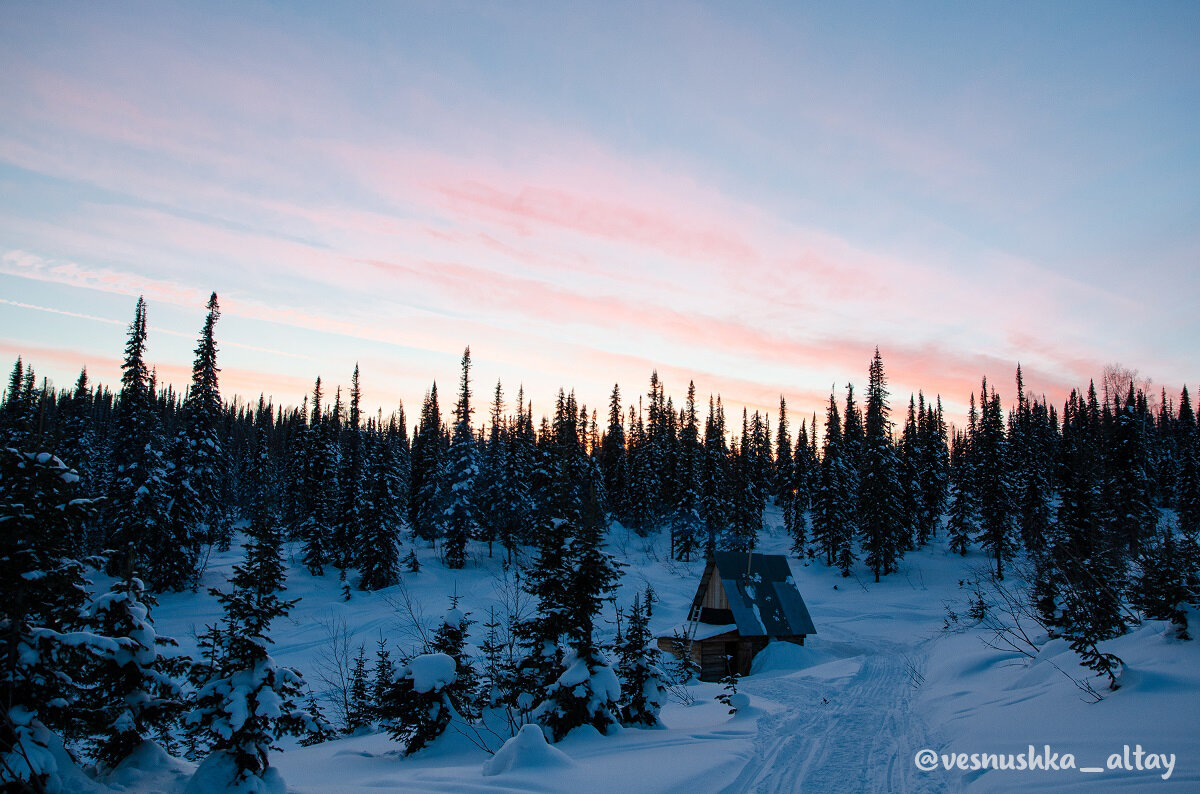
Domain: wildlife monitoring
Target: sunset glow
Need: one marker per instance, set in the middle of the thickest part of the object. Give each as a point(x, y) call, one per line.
point(739, 197)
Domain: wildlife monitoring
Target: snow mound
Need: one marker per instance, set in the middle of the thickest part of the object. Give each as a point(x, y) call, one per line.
point(149, 768)
point(787, 656)
point(219, 773)
point(431, 672)
point(528, 749)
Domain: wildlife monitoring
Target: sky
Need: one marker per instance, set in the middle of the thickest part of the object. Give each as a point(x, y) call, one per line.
point(750, 196)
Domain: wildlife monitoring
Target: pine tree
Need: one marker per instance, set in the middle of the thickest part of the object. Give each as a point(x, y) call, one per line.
point(451, 639)
point(42, 596)
point(248, 699)
point(137, 502)
point(461, 474)
point(350, 523)
point(418, 708)
point(383, 678)
point(688, 521)
point(638, 669)
point(990, 458)
point(613, 461)
point(320, 488)
point(964, 509)
point(133, 691)
point(1168, 579)
point(428, 496)
point(200, 463)
point(359, 714)
point(880, 496)
point(383, 514)
point(1129, 484)
point(1187, 485)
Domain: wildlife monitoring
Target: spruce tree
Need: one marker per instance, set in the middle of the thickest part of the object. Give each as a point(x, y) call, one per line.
point(383, 677)
point(1129, 483)
point(427, 502)
point(964, 507)
point(880, 507)
point(136, 508)
point(350, 523)
point(358, 715)
point(451, 639)
point(383, 515)
point(1168, 578)
point(133, 689)
point(989, 451)
point(688, 521)
point(1187, 484)
point(638, 669)
point(715, 474)
point(320, 484)
point(461, 474)
point(42, 599)
point(418, 708)
point(248, 700)
point(832, 529)
point(197, 479)
point(613, 461)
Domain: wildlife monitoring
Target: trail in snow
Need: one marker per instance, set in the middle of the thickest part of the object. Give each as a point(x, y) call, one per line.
point(855, 733)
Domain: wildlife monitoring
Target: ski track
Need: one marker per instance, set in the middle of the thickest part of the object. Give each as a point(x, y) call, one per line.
point(864, 739)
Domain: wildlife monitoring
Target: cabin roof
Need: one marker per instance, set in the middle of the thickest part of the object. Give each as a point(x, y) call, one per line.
point(762, 594)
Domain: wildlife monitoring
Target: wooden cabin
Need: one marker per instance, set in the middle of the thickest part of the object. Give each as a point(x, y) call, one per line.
point(743, 602)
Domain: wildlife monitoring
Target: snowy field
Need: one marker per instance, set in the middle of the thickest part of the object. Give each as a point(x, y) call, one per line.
point(847, 712)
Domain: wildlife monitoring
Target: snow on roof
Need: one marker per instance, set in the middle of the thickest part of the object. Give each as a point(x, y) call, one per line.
point(762, 595)
point(704, 631)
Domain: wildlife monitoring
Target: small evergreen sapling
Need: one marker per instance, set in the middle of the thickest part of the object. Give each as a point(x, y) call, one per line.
point(383, 678)
point(248, 699)
point(450, 639)
point(1167, 580)
point(358, 715)
point(418, 708)
point(729, 695)
point(133, 689)
point(638, 669)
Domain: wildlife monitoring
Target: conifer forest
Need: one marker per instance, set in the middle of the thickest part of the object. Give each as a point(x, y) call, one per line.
point(685, 397)
point(1094, 506)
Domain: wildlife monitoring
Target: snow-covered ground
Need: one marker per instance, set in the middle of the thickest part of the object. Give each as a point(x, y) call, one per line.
point(847, 712)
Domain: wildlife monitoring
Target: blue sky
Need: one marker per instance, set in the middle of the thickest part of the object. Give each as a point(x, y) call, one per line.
point(753, 197)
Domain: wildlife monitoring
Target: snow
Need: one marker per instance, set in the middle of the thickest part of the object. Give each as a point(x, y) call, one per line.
point(846, 711)
point(528, 749)
point(218, 773)
point(430, 672)
point(703, 630)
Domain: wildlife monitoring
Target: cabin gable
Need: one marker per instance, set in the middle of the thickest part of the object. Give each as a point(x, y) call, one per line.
point(742, 602)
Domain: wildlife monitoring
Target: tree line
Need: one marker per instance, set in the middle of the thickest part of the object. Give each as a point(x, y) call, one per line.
point(1101, 499)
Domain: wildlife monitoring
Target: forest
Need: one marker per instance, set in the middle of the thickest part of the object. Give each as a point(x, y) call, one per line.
point(1092, 506)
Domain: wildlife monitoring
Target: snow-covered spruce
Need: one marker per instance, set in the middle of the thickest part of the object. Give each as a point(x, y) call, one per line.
point(248, 700)
point(43, 630)
point(418, 708)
